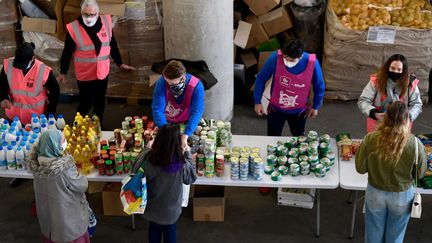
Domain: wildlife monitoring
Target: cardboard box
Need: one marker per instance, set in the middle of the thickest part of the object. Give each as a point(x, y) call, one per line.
point(54, 9)
point(74, 3)
point(117, 9)
point(242, 34)
point(286, 2)
point(8, 11)
point(263, 58)
point(260, 7)
point(95, 187)
point(39, 25)
point(248, 59)
point(257, 34)
point(209, 203)
point(111, 200)
point(276, 21)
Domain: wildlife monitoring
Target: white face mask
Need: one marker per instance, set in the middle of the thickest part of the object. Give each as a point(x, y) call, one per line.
point(89, 22)
point(64, 145)
point(291, 64)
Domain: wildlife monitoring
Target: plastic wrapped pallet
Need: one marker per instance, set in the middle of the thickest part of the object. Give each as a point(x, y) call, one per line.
point(349, 59)
point(8, 19)
point(139, 36)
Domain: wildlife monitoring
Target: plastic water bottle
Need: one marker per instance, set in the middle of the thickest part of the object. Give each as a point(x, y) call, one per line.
point(35, 123)
point(44, 127)
point(51, 125)
point(19, 158)
point(37, 132)
point(18, 122)
point(60, 122)
point(10, 157)
point(3, 161)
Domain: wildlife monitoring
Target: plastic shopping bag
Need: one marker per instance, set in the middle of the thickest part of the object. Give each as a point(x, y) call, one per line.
point(133, 194)
point(92, 222)
point(185, 198)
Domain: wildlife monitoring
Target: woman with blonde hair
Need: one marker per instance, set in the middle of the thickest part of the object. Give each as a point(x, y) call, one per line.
point(388, 156)
point(392, 82)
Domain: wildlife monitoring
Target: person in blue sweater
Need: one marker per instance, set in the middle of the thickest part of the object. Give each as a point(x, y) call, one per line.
point(294, 71)
point(178, 98)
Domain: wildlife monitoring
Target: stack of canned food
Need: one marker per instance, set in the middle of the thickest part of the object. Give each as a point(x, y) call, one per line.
point(211, 141)
point(246, 161)
point(113, 161)
point(301, 155)
point(119, 153)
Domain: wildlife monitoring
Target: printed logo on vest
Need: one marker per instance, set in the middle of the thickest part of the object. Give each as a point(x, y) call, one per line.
point(171, 111)
point(30, 84)
point(285, 81)
point(287, 101)
point(103, 34)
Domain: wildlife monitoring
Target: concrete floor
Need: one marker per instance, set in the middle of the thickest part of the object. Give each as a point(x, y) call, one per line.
point(249, 216)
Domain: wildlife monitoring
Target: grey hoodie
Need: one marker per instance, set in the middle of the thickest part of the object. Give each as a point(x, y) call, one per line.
point(62, 207)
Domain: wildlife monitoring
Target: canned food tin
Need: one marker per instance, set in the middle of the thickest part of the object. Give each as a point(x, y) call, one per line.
point(268, 169)
point(272, 160)
point(282, 160)
point(294, 169)
point(276, 176)
point(283, 170)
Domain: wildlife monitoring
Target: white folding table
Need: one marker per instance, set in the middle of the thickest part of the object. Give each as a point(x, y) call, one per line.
point(350, 179)
point(330, 181)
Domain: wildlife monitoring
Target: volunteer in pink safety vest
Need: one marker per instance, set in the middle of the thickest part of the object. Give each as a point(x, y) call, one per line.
point(391, 83)
point(27, 86)
point(91, 42)
point(293, 72)
point(178, 98)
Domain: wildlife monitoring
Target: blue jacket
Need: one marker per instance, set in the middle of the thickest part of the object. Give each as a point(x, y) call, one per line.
point(196, 107)
point(269, 69)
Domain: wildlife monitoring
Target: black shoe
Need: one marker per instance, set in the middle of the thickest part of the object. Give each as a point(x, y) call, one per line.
point(14, 182)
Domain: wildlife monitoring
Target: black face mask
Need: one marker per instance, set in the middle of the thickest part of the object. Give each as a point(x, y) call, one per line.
point(394, 76)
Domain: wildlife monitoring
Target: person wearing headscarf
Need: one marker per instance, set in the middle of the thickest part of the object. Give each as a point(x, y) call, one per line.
point(59, 188)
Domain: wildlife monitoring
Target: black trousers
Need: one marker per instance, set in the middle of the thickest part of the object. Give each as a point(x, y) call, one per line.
point(276, 121)
point(92, 94)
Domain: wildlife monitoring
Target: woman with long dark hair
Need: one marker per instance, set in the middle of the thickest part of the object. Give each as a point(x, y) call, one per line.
point(388, 156)
point(391, 83)
point(167, 166)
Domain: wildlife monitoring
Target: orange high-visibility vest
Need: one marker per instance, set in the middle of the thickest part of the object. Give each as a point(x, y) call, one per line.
point(87, 65)
point(26, 92)
point(371, 124)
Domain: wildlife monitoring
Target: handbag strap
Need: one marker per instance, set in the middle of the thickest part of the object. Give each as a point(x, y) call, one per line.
point(416, 162)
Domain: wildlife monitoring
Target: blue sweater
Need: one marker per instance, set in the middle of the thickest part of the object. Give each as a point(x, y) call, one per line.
point(196, 107)
point(269, 69)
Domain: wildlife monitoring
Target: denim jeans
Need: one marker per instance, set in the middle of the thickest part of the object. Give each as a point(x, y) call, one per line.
point(387, 214)
point(157, 230)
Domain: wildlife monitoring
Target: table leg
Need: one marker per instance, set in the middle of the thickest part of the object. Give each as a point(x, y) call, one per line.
point(350, 197)
point(318, 200)
point(353, 216)
point(133, 222)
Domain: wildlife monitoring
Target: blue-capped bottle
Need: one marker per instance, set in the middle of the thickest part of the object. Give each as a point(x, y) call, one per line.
point(35, 123)
point(10, 157)
point(3, 161)
point(19, 159)
point(61, 123)
point(6, 123)
point(51, 125)
point(51, 118)
point(18, 122)
point(44, 127)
